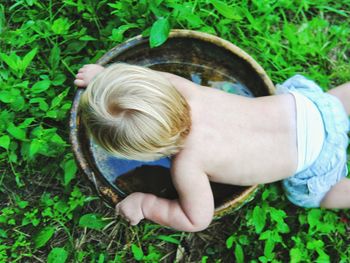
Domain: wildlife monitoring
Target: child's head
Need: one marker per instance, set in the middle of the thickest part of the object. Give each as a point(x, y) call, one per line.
point(135, 113)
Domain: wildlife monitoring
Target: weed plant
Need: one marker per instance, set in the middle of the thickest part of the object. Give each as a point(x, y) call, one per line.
point(48, 211)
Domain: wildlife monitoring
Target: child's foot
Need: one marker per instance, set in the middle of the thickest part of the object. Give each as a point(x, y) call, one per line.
point(86, 74)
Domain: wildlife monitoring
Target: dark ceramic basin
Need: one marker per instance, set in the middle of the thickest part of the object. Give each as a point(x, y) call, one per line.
point(202, 58)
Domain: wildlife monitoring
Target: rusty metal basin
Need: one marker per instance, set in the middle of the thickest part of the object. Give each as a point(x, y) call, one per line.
point(204, 59)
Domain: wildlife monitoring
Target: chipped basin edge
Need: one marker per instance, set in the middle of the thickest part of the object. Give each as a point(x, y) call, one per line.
point(107, 192)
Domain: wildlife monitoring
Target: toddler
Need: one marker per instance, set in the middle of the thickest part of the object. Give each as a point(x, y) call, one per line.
point(298, 136)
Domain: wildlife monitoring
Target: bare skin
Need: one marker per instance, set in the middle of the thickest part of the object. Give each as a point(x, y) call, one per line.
point(233, 140)
point(339, 195)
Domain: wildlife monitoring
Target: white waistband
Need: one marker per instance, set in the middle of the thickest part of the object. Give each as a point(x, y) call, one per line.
point(310, 131)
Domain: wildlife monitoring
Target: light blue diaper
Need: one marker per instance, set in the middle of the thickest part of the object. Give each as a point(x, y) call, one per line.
point(308, 187)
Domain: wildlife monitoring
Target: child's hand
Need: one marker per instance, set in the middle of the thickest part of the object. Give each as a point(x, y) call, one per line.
point(86, 74)
point(131, 208)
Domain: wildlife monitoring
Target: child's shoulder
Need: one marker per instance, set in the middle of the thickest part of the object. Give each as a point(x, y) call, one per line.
point(186, 161)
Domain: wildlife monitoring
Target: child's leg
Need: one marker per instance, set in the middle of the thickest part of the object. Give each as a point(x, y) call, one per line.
point(342, 92)
point(338, 196)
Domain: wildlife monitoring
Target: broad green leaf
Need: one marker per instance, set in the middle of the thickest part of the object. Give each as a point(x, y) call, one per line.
point(159, 32)
point(230, 241)
point(194, 20)
point(57, 255)
point(11, 61)
point(295, 255)
point(5, 141)
point(70, 169)
point(41, 86)
point(314, 244)
point(239, 254)
point(16, 132)
point(52, 114)
point(259, 218)
point(314, 218)
point(28, 58)
point(58, 79)
point(93, 221)
point(61, 26)
point(43, 236)
point(34, 147)
point(6, 97)
point(226, 10)
point(3, 233)
point(18, 104)
point(137, 252)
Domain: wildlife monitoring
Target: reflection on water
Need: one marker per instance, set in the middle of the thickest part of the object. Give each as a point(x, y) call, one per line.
point(128, 176)
point(206, 76)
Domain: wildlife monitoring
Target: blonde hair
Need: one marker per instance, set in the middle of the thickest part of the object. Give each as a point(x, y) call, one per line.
point(134, 112)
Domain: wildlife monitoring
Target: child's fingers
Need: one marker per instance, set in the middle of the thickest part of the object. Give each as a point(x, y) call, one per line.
point(79, 83)
point(79, 76)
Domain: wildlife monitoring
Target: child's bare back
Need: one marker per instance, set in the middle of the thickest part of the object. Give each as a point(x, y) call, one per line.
point(238, 140)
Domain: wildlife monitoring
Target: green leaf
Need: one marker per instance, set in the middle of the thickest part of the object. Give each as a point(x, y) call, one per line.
point(314, 218)
point(229, 241)
point(137, 252)
point(117, 34)
point(16, 132)
point(3, 233)
point(57, 100)
point(43, 236)
point(41, 86)
point(93, 221)
point(54, 57)
point(159, 32)
point(34, 147)
point(11, 61)
point(61, 26)
point(42, 103)
point(28, 58)
point(70, 169)
point(239, 255)
point(6, 97)
point(169, 239)
point(87, 38)
point(26, 122)
point(225, 10)
point(268, 249)
point(295, 255)
point(57, 255)
point(5, 141)
point(58, 79)
point(314, 244)
point(259, 218)
point(52, 114)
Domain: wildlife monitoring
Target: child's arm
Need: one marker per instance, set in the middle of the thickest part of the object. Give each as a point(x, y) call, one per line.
point(193, 211)
point(86, 74)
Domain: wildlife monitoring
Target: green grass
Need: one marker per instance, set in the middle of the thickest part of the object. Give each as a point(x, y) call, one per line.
point(48, 211)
